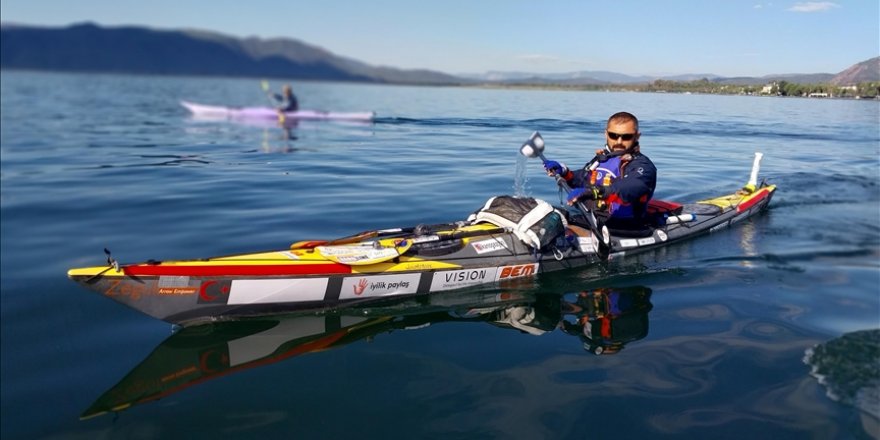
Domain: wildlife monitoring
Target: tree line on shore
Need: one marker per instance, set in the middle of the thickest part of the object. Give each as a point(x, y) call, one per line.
point(863, 90)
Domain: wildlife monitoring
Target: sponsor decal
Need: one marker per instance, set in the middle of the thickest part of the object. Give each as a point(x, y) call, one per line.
point(208, 291)
point(629, 242)
point(379, 285)
point(644, 241)
point(174, 285)
point(718, 227)
point(521, 270)
point(360, 287)
point(214, 291)
point(586, 244)
point(466, 275)
point(134, 291)
point(290, 255)
point(422, 265)
point(177, 290)
point(490, 245)
point(662, 235)
point(455, 279)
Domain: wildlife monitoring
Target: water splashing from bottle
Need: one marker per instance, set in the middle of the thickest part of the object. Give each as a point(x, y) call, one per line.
point(520, 177)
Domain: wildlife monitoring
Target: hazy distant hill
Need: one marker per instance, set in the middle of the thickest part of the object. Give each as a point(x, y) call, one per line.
point(866, 71)
point(92, 48)
point(580, 77)
point(801, 78)
point(862, 72)
point(586, 77)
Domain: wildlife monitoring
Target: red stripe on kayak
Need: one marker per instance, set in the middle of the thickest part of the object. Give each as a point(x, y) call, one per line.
point(217, 271)
point(759, 196)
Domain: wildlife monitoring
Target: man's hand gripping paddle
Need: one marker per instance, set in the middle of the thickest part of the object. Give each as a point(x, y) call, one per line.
point(534, 147)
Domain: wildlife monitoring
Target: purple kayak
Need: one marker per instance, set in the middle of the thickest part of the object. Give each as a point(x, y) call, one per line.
point(220, 112)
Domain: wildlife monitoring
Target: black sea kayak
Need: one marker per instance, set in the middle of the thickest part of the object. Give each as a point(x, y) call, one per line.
point(419, 260)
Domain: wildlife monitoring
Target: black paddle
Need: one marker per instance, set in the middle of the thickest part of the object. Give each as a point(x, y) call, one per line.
point(534, 147)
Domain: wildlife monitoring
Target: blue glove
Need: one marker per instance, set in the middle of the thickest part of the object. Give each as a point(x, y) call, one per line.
point(554, 167)
point(590, 192)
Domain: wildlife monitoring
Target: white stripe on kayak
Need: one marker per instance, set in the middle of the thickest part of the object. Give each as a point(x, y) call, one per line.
point(277, 290)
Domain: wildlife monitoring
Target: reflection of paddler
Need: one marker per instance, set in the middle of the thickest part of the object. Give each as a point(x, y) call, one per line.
point(608, 318)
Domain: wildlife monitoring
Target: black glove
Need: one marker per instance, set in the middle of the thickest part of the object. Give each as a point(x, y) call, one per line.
point(590, 192)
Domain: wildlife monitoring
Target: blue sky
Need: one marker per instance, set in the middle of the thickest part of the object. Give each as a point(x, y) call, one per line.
point(636, 37)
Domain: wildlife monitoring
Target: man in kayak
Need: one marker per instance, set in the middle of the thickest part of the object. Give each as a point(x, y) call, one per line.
point(287, 99)
point(623, 183)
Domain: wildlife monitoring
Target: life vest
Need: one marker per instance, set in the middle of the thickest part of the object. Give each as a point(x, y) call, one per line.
point(604, 175)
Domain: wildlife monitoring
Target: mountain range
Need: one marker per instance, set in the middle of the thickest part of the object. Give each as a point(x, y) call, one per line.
point(89, 47)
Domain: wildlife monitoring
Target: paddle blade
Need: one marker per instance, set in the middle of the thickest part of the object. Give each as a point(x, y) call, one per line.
point(603, 246)
point(534, 146)
point(753, 178)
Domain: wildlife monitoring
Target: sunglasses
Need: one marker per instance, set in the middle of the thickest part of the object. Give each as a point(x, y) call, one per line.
point(625, 136)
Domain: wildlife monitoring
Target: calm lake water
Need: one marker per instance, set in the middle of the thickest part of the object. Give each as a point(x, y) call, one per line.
point(704, 340)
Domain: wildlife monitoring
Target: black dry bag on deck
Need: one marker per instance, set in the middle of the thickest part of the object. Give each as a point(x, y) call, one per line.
point(533, 221)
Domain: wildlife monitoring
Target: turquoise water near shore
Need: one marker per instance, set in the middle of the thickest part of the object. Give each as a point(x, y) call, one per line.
point(716, 352)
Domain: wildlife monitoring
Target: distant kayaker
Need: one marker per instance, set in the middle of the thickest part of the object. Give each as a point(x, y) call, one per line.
point(287, 99)
point(624, 181)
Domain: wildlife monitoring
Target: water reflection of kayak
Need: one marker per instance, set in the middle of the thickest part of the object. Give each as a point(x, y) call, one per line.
point(221, 112)
point(598, 317)
point(509, 238)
